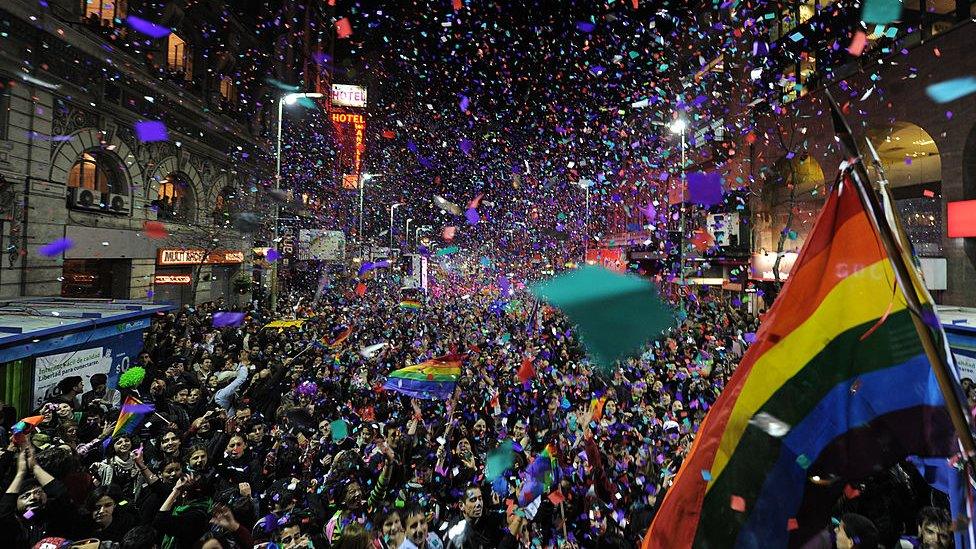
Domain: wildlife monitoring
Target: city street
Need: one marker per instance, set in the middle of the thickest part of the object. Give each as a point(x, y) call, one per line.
point(419, 274)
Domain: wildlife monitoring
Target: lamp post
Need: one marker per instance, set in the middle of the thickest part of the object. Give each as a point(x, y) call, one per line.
point(406, 233)
point(678, 127)
point(392, 208)
point(363, 178)
point(287, 99)
point(585, 184)
point(416, 234)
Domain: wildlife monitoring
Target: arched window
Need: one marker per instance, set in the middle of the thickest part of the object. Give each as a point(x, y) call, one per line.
point(176, 201)
point(97, 171)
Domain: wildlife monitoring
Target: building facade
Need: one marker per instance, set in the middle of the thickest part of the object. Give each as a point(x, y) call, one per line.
point(766, 127)
point(78, 85)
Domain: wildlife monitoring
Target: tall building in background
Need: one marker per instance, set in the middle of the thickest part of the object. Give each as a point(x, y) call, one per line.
point(78, 80)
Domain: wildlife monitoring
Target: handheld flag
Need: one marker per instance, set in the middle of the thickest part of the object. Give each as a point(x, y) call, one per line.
point(433, 379)
point(133, 413)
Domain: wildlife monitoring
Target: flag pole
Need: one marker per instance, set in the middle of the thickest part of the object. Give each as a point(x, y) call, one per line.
point(893, 247)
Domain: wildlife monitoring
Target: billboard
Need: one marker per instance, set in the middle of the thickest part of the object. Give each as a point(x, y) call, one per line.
point(321, 245)
point(344, 95)
point(50, 369)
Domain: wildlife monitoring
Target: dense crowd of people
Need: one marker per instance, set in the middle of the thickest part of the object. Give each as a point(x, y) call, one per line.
point(285, 437)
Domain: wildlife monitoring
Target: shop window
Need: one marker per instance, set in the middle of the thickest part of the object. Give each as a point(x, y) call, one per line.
point(96, 278)
point(179, 56)
point(175, 201)
point(96, 171)
point(105, 13)
point(228, 90)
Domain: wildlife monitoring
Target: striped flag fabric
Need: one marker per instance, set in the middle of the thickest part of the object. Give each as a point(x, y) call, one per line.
point(836, 387)
point(411, 304)
point(433, 379)
point(132, 414)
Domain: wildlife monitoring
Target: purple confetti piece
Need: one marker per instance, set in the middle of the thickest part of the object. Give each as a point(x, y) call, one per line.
point(705, 189)
point(148, 28)
point(466, 146)
point(223, 319)
point(584, 26)
point(598, 70)
point(151, 130)
point(464, 103)
point(749, 337)
point(272, 255)
point(472, 216)
point(56, 247)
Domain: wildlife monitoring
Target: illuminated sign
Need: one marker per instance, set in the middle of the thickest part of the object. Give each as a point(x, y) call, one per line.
point(961, 219)
point(172, 279)
point(350, 130)
point(348, 96)
point(183, 256)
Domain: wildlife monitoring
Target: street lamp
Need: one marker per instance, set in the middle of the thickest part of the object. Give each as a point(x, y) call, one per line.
point(288, 99)
point(678, 127)
point(363, 178)
point(406, 233)
point(585, 184)
point(416, 234)
point(392, 208)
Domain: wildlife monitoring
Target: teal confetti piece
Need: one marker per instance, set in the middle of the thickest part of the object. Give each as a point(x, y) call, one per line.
point(881, 11)
point(340, 430)
point(615, 314)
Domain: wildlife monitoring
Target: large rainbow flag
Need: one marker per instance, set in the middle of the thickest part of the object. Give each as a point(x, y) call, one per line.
point(836, 387)
point(432, 379)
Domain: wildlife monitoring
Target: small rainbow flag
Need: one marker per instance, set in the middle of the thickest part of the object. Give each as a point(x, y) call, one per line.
point(410, 304)
point(133, 413)
point(339, 335)
point(432, 379)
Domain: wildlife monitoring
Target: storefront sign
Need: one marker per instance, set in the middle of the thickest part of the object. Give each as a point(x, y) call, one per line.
point(172, 279)
point(184, 256)
point(345, 95)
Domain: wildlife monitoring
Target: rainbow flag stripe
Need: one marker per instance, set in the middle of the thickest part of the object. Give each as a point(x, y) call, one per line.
point(432, 379)
point(132, 414)
point(835, 388)
point(410, 304)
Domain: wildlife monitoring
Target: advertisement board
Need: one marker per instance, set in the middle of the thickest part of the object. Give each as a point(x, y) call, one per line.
point(322, 245)
point(50, 369)
point(962, 343)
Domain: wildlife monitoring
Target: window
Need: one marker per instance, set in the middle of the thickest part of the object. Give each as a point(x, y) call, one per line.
point(226, 205)
point(228, 90)
point(104, 12)
point(175, 201)
point(96, 171)
point(179, 58)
